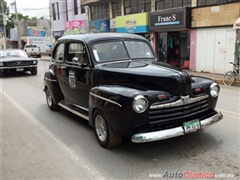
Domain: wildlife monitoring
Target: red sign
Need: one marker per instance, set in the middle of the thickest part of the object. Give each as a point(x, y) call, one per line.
point(36, 32)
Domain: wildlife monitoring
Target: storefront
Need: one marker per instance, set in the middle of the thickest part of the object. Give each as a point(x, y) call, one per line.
point(99, 26)
point(172, 35)
point(133, 23)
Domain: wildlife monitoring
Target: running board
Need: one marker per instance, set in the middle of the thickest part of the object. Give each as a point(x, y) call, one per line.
point(73, 111)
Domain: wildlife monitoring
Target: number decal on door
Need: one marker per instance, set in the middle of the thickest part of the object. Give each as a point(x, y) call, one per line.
point(72, 79)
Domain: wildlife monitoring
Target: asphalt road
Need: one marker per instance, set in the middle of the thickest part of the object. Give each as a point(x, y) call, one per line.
point(38, 143)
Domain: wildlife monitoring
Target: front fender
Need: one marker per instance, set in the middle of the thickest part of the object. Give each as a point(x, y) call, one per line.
point(51, 82)
point(115, 102)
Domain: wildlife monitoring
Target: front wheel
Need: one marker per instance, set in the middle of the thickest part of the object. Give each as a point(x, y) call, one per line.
point(229, 78)
point(104, 133)
point(51, 104)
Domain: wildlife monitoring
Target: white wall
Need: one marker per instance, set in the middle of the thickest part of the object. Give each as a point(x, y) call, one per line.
point(215, 49)
point(58, 24)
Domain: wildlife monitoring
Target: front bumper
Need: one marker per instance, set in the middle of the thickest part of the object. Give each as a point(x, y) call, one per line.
point(15, 67)
point(174, 132)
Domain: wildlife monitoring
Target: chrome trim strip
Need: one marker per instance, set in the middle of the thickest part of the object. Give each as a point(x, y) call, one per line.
point(52, 80)
point(80, 107)
point(174, 132)
point(15, 67)
point(74, 112)
point(184, 100)
point(105, 99)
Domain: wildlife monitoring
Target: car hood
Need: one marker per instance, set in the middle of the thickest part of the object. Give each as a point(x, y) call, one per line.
point(145, 75)
point(7, 59)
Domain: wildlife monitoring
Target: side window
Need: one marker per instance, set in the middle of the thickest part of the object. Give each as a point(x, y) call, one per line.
point(59, 53)
point(76, 53)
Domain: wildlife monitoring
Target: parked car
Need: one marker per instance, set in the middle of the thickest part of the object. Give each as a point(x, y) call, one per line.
point(115, 82)
point(16, 60)
point(49, 52)
point(32, 50)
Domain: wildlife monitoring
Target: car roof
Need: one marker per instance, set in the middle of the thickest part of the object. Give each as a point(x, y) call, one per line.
point(89, 37)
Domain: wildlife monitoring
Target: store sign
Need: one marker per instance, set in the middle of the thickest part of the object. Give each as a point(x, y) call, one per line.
point(134, 23)
point(170, 19)
point(36, 32)
point(99, 26)
point(75, 27)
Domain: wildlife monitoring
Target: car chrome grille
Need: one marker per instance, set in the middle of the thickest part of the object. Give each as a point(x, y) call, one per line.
point(174, 116)
point(18, 63)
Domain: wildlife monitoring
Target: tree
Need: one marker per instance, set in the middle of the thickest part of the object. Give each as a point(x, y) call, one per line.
point(5, 9)
point(12, 17)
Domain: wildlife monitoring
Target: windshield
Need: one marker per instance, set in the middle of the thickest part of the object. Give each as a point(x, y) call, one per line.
point(118, 50)
point(12, 53)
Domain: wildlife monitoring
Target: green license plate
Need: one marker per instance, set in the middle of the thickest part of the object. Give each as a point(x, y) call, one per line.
point(191, 126)
point(19, 69)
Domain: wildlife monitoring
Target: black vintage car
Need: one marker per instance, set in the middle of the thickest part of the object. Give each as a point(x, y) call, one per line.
point(115, 82)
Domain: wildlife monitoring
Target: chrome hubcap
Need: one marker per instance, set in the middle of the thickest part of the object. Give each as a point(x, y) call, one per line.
point(49, 98)
point(100, 127)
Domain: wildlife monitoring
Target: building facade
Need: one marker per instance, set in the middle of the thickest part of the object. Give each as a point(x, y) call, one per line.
point(67, 17)
point(192, 34)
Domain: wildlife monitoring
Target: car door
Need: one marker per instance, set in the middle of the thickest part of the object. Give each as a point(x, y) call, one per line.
point(78, 73)
point(58, 65)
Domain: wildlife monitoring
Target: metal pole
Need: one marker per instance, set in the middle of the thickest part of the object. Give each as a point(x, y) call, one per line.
point(17, 23)
point(4, 27)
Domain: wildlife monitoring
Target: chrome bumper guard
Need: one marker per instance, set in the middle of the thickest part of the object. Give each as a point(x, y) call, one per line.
point(174, 132)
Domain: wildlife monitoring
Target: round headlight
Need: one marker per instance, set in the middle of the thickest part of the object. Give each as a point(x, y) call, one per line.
point(214, 90)
point(140, 104)
point(35, 62)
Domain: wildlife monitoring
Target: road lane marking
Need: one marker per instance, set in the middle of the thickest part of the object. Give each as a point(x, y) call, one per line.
point(79, 161)
point(235, 114)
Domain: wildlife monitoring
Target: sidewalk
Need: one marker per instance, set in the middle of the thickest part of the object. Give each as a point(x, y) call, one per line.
point(216, 77)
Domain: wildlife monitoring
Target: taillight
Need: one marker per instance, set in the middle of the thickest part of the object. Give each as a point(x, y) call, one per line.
point(25, 50)
point(39, 49)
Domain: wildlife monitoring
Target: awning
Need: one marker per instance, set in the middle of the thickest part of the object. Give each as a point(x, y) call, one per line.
point(236, 25)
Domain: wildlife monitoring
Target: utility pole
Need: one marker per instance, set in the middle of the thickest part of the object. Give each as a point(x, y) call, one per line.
point(17, 23)
point(4, 28)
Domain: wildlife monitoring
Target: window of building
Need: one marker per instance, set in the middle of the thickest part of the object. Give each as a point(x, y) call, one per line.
point(58, 11)
point(213, 2)
point(83, 10)
point(187, 3)
point(100, 11)
point(116, 6)
point(133, 7)
point(75, 7)
point(167, 4)
point(54, 12)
